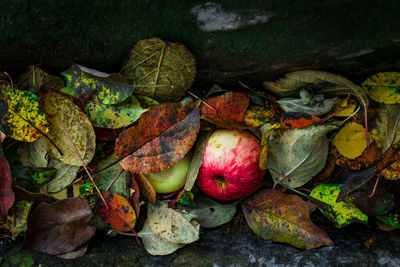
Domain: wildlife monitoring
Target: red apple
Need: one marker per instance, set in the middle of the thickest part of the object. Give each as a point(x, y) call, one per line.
point(230, 167)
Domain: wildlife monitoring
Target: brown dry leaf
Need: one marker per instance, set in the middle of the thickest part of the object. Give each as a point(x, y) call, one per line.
point(146, 188)
point(135, 195)
point(368, 158)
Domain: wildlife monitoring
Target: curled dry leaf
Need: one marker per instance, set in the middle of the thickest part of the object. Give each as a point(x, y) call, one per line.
point(76, 124)
point(283, 218)
point(383, 87)
point(59, 227)
point(146, 188)
point(34, 77)
point(296, 105)
point(7, 196)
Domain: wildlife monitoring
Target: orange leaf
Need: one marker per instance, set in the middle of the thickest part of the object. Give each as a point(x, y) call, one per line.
point(297, 120)
point(146, 189)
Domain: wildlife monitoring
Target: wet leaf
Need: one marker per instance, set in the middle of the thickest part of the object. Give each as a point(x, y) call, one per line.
point(160, 70)
point(34, 77)
point(119, 215)
point(7, 196)
point(385, 124)
point(297, 120)
point(104, 178)
point(20, 115)
point(383, 87)
point(197, 160)
point(173, 131)
point(299, 154)
point(257, 116)
point(17, 220)
point(59, 227)
point(297, 105)
point(283, 218)
point(369, 157)
point(350, 141)
point(146, 188)
point(115, 116)
point(76, 124)
point(98, 86)
point(342, 213)
point(210, 214)
point(172, 226)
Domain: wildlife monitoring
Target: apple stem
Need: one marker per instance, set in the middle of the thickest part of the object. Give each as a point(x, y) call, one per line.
point(176, 199)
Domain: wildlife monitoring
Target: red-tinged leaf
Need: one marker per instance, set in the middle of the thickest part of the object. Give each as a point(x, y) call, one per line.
point(103, 134)
point(227, 110)
point(7, 196)
point(283, 218)
point(297, 120)
point(156, 150)
point(368, 158)
point(59, 227)
point(388, 159)
point(135, 195)
point(119, 215)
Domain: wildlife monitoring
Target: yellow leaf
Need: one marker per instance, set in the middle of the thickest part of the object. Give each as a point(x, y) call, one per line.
point(383, 87)
point(350, 141)
point(346, 105)
point(264, 146)
point(257, 116)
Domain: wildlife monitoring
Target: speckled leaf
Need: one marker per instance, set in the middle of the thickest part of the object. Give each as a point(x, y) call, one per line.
point(283, 218)
point(160, 70)
point(59, 227)
point(392, 218)
point(97, 86)
point(197, 160)
point(173, 131)
point(119, 215)
point(297, 105)
point(20, 115)
point(257, 116)
point(370, 156)
point(7, 196)
point(135, 195)
point(265, 145)
point(172, 226)
point(299, 154)
point(227, 110)
point(209, 213)
point(76, 124)
point(297, 120)
point(17, 220)
point(34, 77)
point(350, 141)
point(115, 116)
point(104, 178)
point(388, 164)
point(385, 124)
point(383, 87)
point(41, 176)
point(342, 213)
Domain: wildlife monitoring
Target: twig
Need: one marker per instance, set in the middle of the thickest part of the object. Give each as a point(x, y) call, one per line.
point(176, 199)
point(115, 178)
point(123, 233)
point(80, 159)
point(202, 101)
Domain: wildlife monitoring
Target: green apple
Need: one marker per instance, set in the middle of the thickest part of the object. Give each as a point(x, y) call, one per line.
point(171, 179)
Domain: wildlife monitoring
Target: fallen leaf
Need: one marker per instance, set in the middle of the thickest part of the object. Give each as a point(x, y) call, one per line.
point(350, 141)
point(383, 87)
point(325, 174)
point(297, 120)
point(119, 215)
point(385, 124)
point(388, 162)
point(353, 181)
point(172, 133)
point(146, 188)
point(135, 195)
point(74, 254)
point(63, 177)
point(40, 177)
point(283, 218)
point(257, 116)
point(59, 227)
point(34, 77)
point(265, 145)
point(17, 220)
point(297, 105)
point(34, 154)
point(22, 194)
point(160, 70)
point(342, 213)
point(115, 116)
point(76, 124)
point(20, 115)
point(97, 86)
point(369, 157)
point(392, 218)
point(346, 106)
point(227, 110)
point(7, 196)
point(299, 154)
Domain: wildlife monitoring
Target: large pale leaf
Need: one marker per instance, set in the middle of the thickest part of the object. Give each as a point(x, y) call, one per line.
point(97, 86)
point(299, 154)
point(383, 87)
point(385, 124)
point(20, 115)
point(283, 218)
point(297, 105)
point(160, 70)
point(115, 116)
point(59, 109)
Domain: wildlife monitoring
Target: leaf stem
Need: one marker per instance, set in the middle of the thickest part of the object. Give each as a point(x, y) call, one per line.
point(366, 125)
point(358, 186)
point(256, 93)
point(176, 199)
point(375, 186)
point(115, 178)
point(202, 101)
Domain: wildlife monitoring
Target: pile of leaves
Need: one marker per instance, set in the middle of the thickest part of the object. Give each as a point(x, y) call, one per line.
point(75, 149)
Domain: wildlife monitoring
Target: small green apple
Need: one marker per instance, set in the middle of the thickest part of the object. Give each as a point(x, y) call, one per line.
point(171, 179)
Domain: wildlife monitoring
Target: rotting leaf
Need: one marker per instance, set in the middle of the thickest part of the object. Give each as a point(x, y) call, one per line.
point(283, 218)
point(173, 131)
point(20, 115)
point(299, 154)
point(160, 70)
point(17, 220)
point(383, 87)
point(119, 215)
point(342, 213)
point(7, 195)
point(98, 86)
point(369, 157)
point(77, 125)
point(59, 227)
point(350, 141)
point(115, 116)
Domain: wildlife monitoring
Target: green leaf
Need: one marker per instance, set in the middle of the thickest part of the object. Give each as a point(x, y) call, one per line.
point(342, 213)
point(297, 105)
point(20, 115)
point(64, 176)
point(385, 124)
point(392, 218)
point(115, 116)
point(17, 220)
point(42, 176)
point(299, 154)
point(160, 70)
point(97, 86)
point(209, 213)
point(383, 87)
